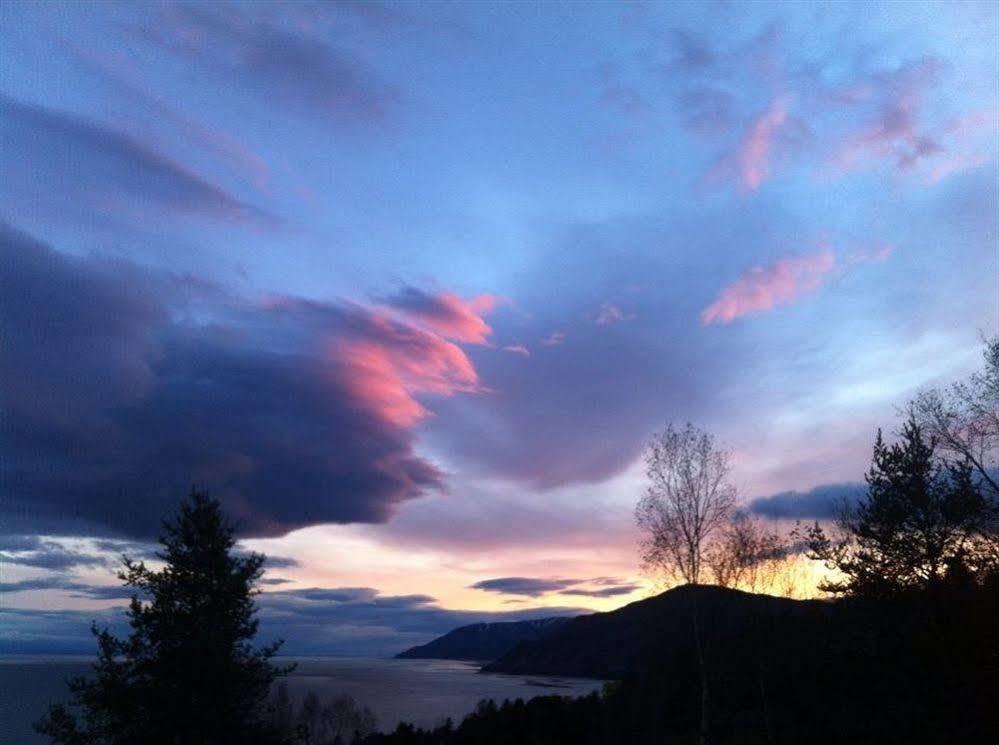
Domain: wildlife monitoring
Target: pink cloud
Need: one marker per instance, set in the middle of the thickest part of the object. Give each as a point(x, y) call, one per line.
point(388, 365)
point(553, 339)
point(764, 288)
point(754, 153)
point(447, 314)
point(750, 162)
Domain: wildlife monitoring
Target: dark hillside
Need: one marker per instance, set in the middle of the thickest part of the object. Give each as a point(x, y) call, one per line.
point(611, 645)
point(483, 641)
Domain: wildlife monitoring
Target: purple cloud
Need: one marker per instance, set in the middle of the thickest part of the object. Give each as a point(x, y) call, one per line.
point(119, 401)
point(49, 153)
point(820, 503)
point(600, 587)
point(276, 57)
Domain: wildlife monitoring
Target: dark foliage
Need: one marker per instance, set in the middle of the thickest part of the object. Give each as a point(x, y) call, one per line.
point(187, 673)
point(923, 518)
point(337, 721)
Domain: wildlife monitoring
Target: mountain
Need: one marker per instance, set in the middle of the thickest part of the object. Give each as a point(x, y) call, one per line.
point(614, 644)
point(483, 641)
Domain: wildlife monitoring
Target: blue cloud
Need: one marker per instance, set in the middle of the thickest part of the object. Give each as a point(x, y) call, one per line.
point(821, 503)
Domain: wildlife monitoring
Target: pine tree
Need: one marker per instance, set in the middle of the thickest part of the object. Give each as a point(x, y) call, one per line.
point(187, 672)
point(923, 519)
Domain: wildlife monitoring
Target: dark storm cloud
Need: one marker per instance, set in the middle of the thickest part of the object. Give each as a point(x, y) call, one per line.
point(51, 155)
point(275, 57)
point(822, 502)
point(120, 393)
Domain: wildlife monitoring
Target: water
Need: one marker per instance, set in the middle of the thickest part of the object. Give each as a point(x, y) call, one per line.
point(424, 692)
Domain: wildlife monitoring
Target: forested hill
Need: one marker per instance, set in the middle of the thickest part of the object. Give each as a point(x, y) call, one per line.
point(483, 641)
point(614, 644)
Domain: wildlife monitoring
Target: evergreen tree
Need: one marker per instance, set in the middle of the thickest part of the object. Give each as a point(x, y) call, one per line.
point(187, 673)
point(923, 520)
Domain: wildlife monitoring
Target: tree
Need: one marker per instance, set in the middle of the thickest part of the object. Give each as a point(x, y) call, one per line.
point(922, 519)
point(187, 672)
point(964, 419)
point(749, 556)
point(688, 498)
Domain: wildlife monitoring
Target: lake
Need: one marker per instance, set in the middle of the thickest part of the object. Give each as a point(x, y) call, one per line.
point(424, 692)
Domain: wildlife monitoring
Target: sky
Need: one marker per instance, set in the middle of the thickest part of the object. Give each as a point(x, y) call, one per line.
point(408, 287)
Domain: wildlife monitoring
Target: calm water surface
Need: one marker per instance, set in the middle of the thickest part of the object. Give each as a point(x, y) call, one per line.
point(424, 692)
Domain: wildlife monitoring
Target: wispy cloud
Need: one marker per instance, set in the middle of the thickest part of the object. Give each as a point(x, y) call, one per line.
point(276, 57)
point(611, 313)
point(764, 288)
point(66, 156)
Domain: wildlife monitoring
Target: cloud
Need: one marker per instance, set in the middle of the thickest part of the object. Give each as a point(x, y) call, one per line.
point(610, 313)
point(281, 562)
point(600, 587)
point(529, 586)
point(447, 314)
point(313, 621)
point(53, 556)
point(764, 288)
point(517, 349)
point(554, 339)
point(603, 592)
point(820, 502)
point(74, 589)
point(756, 149)
point(51, 154)
point(129, 386)
point(894, 131)
point(272, 56)
point(361, 621)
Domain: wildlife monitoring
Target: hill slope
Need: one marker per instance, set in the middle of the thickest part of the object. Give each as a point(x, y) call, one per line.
point(483, 641)
point(613, 644)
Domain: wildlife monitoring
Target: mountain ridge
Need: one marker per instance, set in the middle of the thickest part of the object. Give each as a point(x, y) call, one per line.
point(484, 641)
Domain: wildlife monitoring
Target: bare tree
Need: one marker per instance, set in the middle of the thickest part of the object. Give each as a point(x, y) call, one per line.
point(688, 498)
point(750, 556)
point(964, 419)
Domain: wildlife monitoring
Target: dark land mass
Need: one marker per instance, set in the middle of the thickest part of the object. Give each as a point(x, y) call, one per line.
point(483, 642)
point(615, 644)
point(704, 664)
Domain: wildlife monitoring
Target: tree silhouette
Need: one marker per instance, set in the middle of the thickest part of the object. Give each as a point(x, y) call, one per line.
point(688, 498)
point(187, 672)
point(923, 518)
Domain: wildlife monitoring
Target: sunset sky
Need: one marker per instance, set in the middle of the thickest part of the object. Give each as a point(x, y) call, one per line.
point(409, 286)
